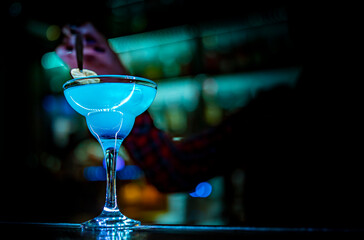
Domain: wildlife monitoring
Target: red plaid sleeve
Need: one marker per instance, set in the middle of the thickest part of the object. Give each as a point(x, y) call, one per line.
point(174, 166)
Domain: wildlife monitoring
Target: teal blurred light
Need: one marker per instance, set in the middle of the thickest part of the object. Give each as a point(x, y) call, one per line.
point(152, 39)
point(51, 60)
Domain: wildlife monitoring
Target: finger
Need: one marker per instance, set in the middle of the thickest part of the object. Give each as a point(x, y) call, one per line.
point(67, 56)
point(66, 30)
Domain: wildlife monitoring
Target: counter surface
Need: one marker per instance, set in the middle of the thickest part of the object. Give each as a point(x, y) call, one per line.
point(175, 232)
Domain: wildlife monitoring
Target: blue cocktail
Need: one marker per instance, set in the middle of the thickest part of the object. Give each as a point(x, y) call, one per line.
point(110, 104)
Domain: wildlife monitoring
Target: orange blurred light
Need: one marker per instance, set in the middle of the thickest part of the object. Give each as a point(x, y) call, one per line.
point(131, 193)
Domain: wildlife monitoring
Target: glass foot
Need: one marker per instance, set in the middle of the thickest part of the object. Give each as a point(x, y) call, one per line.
point(110, 220)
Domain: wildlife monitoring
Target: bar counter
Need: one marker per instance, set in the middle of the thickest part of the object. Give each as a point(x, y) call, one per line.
point(24, 230)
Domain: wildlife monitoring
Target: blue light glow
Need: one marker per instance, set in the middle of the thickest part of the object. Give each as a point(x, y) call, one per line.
point(98, 173)
point(120, 163)
point(129, 172)
point(202, 190)
point(95, 173)
point(57, 105)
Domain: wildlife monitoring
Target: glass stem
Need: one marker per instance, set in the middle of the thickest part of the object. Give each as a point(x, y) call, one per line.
point(111, 204)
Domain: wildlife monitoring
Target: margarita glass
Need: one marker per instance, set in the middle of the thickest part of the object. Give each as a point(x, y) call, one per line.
point(110, 104)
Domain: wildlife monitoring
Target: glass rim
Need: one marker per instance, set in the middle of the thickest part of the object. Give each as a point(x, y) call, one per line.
point(127, 78)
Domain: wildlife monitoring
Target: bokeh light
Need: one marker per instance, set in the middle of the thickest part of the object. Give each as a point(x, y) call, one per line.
point(53, 32)
point(120, 163)
point(202, 190)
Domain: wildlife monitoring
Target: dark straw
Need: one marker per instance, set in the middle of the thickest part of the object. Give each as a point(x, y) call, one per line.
point(79, 51)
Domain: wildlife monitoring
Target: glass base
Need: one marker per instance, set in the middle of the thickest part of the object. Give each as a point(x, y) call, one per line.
point(110, 220)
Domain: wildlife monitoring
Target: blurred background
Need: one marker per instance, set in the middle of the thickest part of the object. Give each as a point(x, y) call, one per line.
point(208, 58)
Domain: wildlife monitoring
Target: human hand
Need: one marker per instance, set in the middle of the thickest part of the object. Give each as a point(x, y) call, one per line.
point(97, 54)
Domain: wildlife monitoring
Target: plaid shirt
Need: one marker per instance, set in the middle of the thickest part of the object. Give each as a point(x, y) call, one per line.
point(169, 165)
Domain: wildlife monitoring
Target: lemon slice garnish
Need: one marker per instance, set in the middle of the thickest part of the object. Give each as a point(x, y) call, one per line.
point(76, 73)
